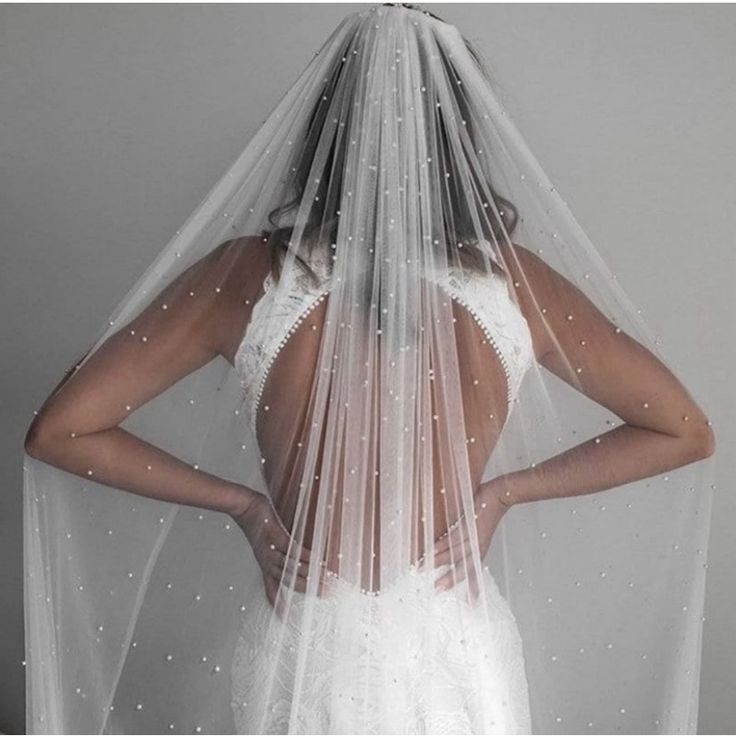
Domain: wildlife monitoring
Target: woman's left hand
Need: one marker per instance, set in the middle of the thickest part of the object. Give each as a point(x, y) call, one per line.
point(455, 546)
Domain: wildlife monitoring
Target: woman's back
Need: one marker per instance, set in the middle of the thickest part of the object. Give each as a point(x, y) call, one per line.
point(278, 355)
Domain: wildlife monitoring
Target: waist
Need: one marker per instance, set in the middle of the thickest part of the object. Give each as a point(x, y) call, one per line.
point(413, 587)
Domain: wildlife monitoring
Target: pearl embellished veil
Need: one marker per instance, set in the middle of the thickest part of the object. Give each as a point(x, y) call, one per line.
point(385, 318)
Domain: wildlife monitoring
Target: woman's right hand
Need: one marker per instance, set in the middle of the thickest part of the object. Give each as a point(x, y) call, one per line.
point(270, 542)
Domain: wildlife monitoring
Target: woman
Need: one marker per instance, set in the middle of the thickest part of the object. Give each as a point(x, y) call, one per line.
point(371, 272)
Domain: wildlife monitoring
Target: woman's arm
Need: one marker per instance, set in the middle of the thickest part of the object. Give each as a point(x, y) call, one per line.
point(76, 428)
point(663, 426)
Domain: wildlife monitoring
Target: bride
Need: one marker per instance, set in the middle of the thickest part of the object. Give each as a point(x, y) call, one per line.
point(404, 304)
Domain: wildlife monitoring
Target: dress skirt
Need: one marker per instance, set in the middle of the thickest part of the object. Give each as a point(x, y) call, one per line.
point(413, 665)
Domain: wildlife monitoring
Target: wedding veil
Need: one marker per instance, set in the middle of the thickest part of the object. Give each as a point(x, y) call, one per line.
point(424, 317)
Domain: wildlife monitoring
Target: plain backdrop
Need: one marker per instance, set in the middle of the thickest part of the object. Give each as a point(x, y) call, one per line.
point(117, 119)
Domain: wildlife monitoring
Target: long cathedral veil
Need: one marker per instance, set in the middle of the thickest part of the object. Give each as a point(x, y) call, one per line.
point(426, 333)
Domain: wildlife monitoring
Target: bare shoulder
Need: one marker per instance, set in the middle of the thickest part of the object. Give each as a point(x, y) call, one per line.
point(547, 298)
point(537, 287)
point(530, 271)
point(212, 298)
point(238, 261)
point(236, 269)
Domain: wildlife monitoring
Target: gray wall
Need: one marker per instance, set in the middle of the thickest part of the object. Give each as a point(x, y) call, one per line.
point(117, 119)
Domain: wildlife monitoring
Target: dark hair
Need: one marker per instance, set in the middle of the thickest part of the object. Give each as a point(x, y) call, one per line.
point(501, 215)
point(412, 6)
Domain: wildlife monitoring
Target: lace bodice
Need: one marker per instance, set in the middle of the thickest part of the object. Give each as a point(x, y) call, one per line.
point(280, 311)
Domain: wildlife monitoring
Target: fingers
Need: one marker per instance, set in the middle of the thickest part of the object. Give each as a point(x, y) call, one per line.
point(460, 549)
point(451, 535)
point(282, 541)
point(451, 539)
point(276, 591)
point(276, 536)
point(438, 557)
point(289, 564)
point(289, 574)
point(297, 569)
point(275, 570)
point(452, 557)
point(452, 577)
point(281, 555)
point(288, 569)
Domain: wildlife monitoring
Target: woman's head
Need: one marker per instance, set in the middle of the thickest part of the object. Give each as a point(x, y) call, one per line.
point(469, 208)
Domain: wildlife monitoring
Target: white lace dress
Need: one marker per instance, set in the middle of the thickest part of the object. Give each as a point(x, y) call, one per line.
point(456, 668)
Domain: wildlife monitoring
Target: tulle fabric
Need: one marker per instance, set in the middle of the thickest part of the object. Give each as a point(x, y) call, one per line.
point(370, 396)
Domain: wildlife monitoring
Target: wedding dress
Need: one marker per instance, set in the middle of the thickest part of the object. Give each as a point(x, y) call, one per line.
point(377, 444)
point(466, 668)
point(463, 673)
